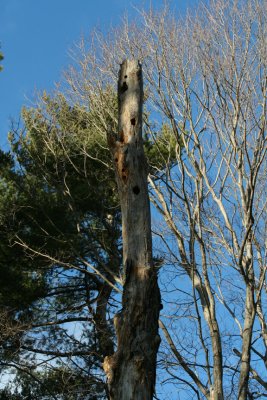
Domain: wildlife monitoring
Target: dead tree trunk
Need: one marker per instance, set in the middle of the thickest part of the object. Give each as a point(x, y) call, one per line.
point(131, 371)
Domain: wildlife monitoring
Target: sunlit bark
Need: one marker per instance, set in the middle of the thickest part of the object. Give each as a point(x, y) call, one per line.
point(131, 371)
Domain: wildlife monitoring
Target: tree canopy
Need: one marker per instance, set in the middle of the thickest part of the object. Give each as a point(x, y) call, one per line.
point(65, 237)
point(1, 59)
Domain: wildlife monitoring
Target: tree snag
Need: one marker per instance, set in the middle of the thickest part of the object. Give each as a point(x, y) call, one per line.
point(131, 371)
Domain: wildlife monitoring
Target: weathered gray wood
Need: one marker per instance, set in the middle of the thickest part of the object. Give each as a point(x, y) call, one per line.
point(131, 370)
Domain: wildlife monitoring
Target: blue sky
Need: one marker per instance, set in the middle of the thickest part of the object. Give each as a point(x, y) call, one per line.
point(35, 37)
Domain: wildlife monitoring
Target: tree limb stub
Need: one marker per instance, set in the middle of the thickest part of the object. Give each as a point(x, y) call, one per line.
point(131, 370)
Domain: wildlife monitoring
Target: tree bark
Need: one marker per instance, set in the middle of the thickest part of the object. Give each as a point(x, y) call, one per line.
point(250, 313)
point(131, 371)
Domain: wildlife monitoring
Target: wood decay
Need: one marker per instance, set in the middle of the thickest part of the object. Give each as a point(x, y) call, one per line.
point(131, 370)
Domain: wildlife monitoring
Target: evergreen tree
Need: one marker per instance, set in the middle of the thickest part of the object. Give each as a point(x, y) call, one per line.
point(1, 59)
point(66, 230)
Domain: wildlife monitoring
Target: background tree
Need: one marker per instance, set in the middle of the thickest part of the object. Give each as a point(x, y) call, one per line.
point(65, 224)
point(68, 228)
point(1, 59)
point(206, 78)
point(20, 285)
